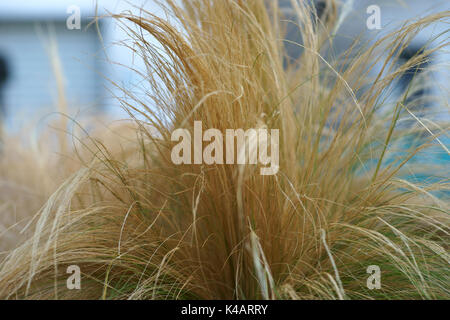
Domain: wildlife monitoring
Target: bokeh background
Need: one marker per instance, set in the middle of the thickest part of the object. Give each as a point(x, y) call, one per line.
point(28, 89)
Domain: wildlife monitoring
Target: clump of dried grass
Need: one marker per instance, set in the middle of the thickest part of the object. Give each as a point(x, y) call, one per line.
point(37, 160)
point(35, 163)
point(141, 227)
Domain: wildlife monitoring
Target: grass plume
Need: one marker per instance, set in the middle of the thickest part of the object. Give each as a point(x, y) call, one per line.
point(141, 227)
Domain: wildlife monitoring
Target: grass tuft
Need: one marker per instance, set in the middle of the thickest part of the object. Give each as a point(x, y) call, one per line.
point(141, 227)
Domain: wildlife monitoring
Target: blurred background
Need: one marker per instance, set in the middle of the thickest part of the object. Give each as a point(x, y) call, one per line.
point(92, 58)
point(29, 91)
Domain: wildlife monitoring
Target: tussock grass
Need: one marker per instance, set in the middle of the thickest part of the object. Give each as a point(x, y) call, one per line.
point(141, 227)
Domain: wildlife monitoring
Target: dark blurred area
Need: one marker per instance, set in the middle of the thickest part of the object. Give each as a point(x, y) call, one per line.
point(4, 76)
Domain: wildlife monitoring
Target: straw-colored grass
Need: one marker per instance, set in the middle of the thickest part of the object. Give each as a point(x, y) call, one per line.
point(140, 227)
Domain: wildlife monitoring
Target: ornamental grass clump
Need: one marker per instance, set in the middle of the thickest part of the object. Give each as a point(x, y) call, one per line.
point(140, 226)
